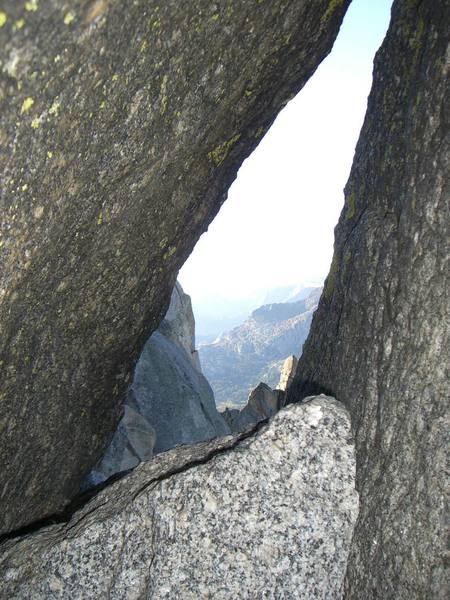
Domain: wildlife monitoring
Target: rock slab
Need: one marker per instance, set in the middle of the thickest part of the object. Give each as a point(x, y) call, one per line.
point(266, 515)
point(169, 402)
point(122, 126)
point(380, 339)
point(263, 402)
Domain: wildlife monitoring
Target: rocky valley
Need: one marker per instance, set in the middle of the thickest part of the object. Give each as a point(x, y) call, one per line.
point(255, 351)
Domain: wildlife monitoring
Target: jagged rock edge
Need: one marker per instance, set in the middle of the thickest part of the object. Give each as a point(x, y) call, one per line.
point(80, 502)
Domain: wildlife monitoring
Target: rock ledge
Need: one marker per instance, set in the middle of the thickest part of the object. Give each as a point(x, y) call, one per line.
point(248, 516)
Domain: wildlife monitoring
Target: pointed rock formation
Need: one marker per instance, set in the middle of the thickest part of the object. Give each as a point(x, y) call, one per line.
point(267, 515)
point(263, 402)
point(179, 324)
point(170, 402)
point(122, 126)
point(287, 373)
point(380, 338)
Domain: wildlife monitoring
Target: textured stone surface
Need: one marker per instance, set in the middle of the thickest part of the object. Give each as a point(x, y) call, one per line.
point(179, 323)
point(173, 396)
point(122, 125)
point(256, 350)
point(269, 516)
point(380, 337)
point(169, 402)
point(133, 442)
point(263, 402)
point(287, 374)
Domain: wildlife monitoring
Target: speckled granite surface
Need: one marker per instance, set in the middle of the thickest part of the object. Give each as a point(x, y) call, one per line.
point(266, 515)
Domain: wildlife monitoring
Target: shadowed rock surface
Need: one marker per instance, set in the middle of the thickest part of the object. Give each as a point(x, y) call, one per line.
point(263, 402)
point(263, 516)
point(178, 324)
point(380, 338)
point(122, 126)
point(170, 402)
point(174, 397)
point(132, 443)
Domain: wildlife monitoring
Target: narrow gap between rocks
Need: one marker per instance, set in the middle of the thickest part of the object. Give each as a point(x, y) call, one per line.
point(255, 278)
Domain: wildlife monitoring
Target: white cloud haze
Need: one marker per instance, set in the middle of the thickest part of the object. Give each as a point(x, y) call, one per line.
point(276, 226)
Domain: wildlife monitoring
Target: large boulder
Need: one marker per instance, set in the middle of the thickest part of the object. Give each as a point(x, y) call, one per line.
point(122, 126)
point(266, 515)
point(380, 337)
point(169, 402)
point(174, 397)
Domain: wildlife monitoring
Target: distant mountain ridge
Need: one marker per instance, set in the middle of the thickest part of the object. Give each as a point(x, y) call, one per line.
point(219, 314)
point(254, 352)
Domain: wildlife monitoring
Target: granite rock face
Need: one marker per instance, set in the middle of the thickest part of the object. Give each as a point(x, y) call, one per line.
point(287, 374)
point(122, 126)
point(263, 402)
point(169, 402)
point(267, 515)
point(173, 396)
point(178, 324)
point(380, 338)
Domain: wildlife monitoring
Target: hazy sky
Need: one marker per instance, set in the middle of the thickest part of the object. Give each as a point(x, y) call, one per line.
point(276, 227)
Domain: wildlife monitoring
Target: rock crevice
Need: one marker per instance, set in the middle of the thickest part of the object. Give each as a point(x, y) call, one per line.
point(265, 514)
point(122, 126)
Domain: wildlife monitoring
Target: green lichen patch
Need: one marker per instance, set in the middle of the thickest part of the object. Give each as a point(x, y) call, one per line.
point(170, 252)
point(332, 6)
point(68, 18)
point(416, 41)
point(54, 108)
point(163, 95)
point(26, 105)
point(31, 5)
point(350, 202)
point(330, 280)
point(220, 153)
point(18, 24)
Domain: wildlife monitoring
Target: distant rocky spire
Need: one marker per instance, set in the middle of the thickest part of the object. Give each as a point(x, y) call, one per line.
point(287, 372)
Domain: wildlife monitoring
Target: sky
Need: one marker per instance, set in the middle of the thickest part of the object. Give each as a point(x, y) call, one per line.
point(276, 227)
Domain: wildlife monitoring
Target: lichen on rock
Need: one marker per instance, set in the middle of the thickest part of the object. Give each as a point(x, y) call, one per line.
point(127, 121)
